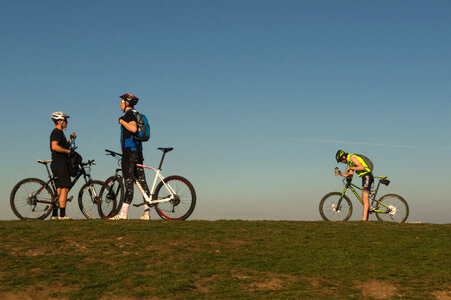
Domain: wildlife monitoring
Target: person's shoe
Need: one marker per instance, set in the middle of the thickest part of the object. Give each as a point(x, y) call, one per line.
point(118, 217)
point(54, 218)
point(145, 217)
point(65, 218)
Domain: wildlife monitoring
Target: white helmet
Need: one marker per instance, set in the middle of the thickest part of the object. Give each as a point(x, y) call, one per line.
point(59, 115)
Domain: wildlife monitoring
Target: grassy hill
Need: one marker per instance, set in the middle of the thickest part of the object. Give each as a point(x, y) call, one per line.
point(96, 259)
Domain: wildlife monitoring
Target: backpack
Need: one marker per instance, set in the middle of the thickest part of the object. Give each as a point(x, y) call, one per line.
point(367, 161)
point(75, 160)
point(143, 133)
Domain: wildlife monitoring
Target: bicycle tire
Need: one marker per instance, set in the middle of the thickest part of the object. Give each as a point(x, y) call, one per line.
point(89, 198)
point(327, 207)
point(111, 197)
point(181, 208)
point(398, 209)
point(24, 199)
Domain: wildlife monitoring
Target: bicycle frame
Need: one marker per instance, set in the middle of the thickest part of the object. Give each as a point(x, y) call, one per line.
point(51, 181)
point(372, 196)
point(149, 199)
point(158, 175)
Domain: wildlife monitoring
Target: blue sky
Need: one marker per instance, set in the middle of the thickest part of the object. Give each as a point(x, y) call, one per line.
point(255, 96)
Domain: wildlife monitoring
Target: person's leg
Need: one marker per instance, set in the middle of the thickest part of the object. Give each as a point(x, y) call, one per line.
point(141, 178)
point(367, 181)
point(55, 208)
point(128, 171)
point(366, 205)
point(63, 183)
point(63, 201)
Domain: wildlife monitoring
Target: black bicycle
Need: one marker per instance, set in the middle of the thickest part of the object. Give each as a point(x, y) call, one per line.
point(32, 198)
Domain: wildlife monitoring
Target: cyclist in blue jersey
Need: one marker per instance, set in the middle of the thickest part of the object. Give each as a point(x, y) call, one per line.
point(356, 163)
point(131, 155)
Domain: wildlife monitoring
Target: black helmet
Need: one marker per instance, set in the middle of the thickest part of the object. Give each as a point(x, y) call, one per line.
point(132, 99)
point(339, 155)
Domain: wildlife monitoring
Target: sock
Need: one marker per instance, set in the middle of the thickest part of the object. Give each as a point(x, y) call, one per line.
point(62, 211)
point(146, 209)
point(55, 212)
point(124, 209)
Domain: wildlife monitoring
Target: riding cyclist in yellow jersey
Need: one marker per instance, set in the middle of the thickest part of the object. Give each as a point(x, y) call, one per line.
point(363, 167)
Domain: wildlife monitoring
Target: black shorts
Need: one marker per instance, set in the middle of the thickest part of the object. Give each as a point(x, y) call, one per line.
point(60, 169)
point(367, 181)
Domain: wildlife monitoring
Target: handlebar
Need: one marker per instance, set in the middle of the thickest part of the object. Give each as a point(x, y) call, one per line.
point(89, 163)
point(347, 181)
point(112, 153)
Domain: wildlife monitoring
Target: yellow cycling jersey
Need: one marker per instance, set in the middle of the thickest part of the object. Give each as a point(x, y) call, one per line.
point(362, 161)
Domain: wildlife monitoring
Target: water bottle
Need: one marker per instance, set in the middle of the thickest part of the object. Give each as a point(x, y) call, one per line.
point(73, 136)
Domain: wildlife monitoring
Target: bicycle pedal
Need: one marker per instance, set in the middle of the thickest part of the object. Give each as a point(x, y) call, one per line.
point(70, 198)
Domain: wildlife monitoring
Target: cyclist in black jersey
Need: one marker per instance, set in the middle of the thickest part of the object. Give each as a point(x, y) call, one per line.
point(131, 155)
point(59, 147)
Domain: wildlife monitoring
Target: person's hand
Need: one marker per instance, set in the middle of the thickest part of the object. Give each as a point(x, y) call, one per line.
point(119, 121)
point(73, 135)
point(72, 150)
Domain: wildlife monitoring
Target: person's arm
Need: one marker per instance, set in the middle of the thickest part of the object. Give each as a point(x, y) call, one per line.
point(58, 148)
point(348, 173)
point(130, 126)
point(357, 163)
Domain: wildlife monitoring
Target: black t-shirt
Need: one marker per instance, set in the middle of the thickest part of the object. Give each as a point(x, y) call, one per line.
point(127, 141)
point(58, 135)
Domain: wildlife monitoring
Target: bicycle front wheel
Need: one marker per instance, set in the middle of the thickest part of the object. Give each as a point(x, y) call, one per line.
point(89, 198)
point(182, 206)
point(392, 208)
point(31, 199)
point(334, 207)
point(111, 197)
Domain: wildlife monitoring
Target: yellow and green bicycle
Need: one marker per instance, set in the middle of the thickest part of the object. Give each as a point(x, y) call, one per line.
point(337, 206)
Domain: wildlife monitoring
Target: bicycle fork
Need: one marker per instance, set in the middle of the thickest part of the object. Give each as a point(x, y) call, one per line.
point(337, 207)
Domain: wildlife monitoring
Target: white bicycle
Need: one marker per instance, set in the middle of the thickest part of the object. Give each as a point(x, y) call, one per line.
point(174, 198)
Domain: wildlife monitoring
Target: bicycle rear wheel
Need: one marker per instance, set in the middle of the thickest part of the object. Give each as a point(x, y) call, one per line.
point(181, 207)
point(111, 197)
point(395, 209)
point(89, 198)
point(31, 199)
point(333, 207)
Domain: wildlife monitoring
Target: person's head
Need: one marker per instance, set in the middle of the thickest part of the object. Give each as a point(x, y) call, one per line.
point(128, 100)
point(60, 119)
point(341, 156)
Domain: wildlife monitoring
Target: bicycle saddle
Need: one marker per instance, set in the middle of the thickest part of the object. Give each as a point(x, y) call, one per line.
point(44, 162)
point(166, 149)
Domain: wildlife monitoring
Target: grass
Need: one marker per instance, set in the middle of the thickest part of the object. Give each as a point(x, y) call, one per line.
point(95, 259)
